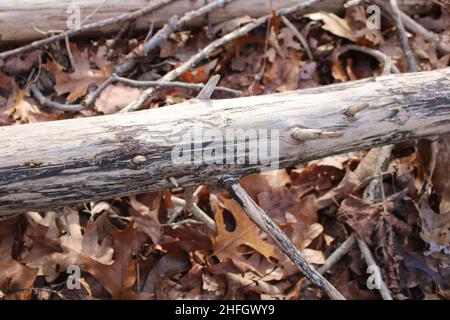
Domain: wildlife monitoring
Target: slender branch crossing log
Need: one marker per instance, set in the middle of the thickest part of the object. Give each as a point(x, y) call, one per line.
point(19, 18)
point(52, 164)
point(281, 239)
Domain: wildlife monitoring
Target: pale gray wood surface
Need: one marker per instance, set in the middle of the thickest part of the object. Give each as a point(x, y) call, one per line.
point(51, 164)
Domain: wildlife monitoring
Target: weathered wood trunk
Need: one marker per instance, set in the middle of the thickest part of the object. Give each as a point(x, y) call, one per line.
point(19, 19)
point(56, 163)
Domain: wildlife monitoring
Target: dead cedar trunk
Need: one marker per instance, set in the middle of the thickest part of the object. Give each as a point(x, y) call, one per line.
point(52, 164)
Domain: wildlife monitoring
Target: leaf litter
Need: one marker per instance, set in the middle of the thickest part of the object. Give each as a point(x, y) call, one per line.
point(143, 247)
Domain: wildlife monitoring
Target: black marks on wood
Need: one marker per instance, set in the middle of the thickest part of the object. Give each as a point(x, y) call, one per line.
point(398, 116)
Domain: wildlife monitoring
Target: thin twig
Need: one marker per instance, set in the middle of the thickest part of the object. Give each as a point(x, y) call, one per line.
point(299, 36)
point(373, 194)
point(120, 35)
point(197, 213)
point(83, 29)
point(93, 13)
point(174, 24)
point(93, 96)
point(341, 251)
point(337, 254)
point(260, 74)
point(426, 185)
point(261, 219)
point(43, 101)
point(261, 285)
point(205, 52)
point(69, 52)
point(395, 11)
point(182, 222)
point(197, 191)
point(415, 27)
point(388, 66)
point(370, 261)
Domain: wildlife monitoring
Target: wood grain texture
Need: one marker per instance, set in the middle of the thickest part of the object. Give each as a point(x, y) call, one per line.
point(18, 17)
point(51, 164)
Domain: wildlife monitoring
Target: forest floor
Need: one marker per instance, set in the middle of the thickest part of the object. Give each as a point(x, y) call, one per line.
point(149, 246)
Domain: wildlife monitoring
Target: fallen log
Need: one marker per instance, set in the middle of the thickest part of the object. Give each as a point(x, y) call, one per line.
point(51, 164)
point(20, 20)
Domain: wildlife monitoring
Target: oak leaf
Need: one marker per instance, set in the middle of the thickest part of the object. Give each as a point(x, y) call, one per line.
point(232, 244)
point(333, 24)
point(77, 82)
point(77, 245)
point(435, 229)
point(146, 215)
point(23, 110)
point(119, 277)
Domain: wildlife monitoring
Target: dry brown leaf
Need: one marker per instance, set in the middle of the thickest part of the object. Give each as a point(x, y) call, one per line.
point(306, 229)
point(439, 24)
point(333, 24)
point(13, 275)
point(265, 181)
point(171, 263)
point(316, 177)
point(351, 290)
point(441, 182)
point(357, 19)
point(231, 244)
point(22, 110)
point(435, 229)
point(336, 161)
point(338, 71)
point(76, 246)
point(364, 217)
point(147, 217)
point(120, 276)
point(21, 63)
point(302, 227)
point(283, 74)
point(8, 91)
point(313, 256)
point(273, 42)
point(296, 215)
point(200, 74)
point(230, 25)
point(115, 98)
point(289, 39)
point(77, 82)
point(351, 179)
